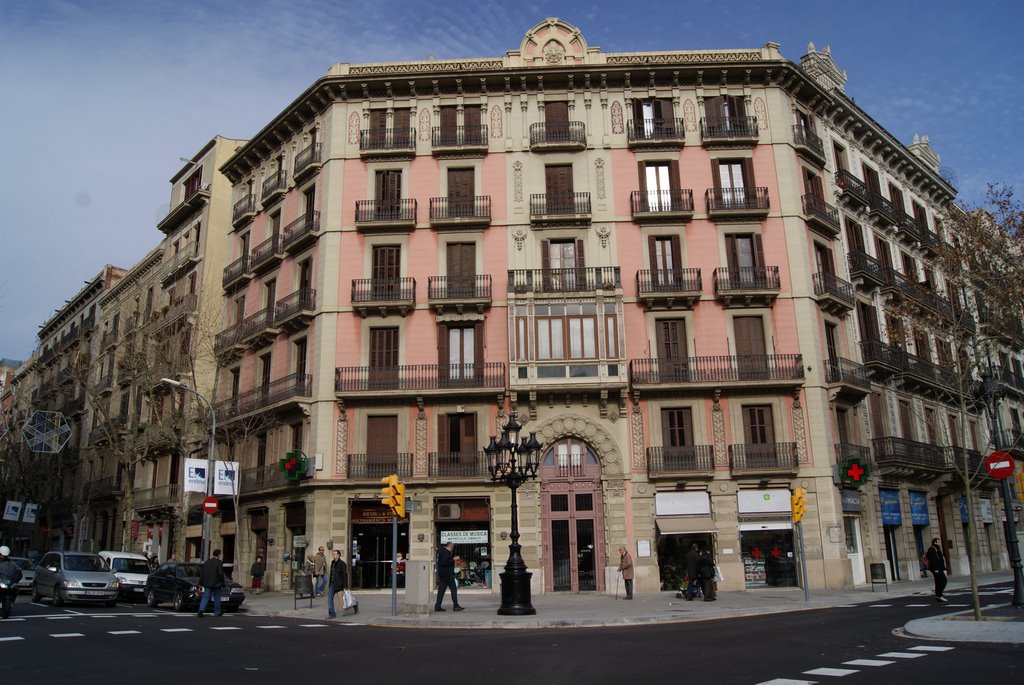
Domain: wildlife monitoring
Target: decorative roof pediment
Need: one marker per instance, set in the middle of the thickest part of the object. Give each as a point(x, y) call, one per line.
point(553, 42)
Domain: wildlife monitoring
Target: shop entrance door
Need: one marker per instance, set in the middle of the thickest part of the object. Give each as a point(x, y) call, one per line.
point(371, 555)
point(854, 552)
point(571, 510)
point(891, 553)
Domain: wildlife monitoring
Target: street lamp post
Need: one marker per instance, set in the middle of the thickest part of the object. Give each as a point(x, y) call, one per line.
point(211, 463)
point(513, 461)
point(1010, 530)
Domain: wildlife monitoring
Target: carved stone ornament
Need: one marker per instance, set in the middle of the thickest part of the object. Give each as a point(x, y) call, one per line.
point(718, 433)
point(496, 122)
point(420, 465)
point(603, 232)
point(519, 235)
point(576, 426)
point(353, 128)
point(689, 115)
point(636, 434)
point(341, 446)
point(517, 181)
point(554, 53)
point(761, 112)
point(424, 124)
point(799, 430)
point(599, 178)
point(616, 113)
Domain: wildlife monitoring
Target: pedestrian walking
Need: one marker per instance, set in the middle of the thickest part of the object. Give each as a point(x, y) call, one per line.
point(211, 577)
point(338, 585)
point(446, 577)
point(937, 565)
point(706, 573)
point(320, 571)
point(256, 571)
point(692, 569)
point(626, 569)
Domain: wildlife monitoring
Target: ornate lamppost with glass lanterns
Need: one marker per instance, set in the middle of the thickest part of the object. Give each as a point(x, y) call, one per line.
point(513, 461)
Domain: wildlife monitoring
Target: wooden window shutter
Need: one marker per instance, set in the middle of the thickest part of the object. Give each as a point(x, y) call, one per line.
point(758, 251)
point(641, 168)
point(673, 175)
point(652, 250)
point(442, 434)
point(442, 345)
point(716, 175)
point(478, 345)
point(545, 255)
point(580, 261)
point(730, 252)
point(471, 116)
point(748, 177)
point(677, 258)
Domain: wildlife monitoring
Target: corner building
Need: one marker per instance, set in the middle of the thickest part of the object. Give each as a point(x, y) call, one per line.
point(639, 253)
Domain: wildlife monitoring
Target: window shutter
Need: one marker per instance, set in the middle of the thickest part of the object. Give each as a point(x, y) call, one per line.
point(580, 261)
point(716, 174)
point(758, 251)
point(442, 345)
point(730, 254)
point(478, 345)
point(442, 434)
point(748, 178)
point(673, 175)
point(545, 255)
point(677, 258)
point(641, 168)
point(652, 250)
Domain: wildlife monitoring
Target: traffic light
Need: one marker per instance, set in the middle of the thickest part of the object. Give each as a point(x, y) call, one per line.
point(295, 465)
point(799, 501)
point(393, 495)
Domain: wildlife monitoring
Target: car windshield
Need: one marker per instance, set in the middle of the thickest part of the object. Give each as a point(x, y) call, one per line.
point(83, 562)
point(188, 571)
point(129, 566)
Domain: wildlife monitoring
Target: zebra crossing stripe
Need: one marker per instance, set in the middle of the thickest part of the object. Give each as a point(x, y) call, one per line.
point(868, 662)
point(67, 635)
point(930, 648)
point(175, 630)
point(832, 672)
point(787, 681)
point(901, 655)
point(124, 632)
point(11, 639)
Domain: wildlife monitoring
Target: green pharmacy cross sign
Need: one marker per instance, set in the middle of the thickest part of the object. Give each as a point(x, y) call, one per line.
point(294, 464)
point(854, 472)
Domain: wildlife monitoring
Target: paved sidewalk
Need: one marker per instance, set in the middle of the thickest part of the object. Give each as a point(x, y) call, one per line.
point(938, 621)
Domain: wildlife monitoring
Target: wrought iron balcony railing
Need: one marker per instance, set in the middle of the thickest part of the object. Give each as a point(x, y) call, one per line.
point(292, 387)
point(580, 279)
point(881, 208)
point(266, 255)
point(732, 200)
point(460, 209)
point(461, 288)
point(727, 279)
point(458, 465)
point(419, 377)
point(669, 281)
point(724, 128)
point(671, 203)
point(852, 187)
point(564, 133)
point(891, 451)
point(235, 271)
point(826, 283)
point(302, 300)
point(384, 289)
point(820, 213)
point(376, 466)
point(274, 186)
point(243, 209)
point(307, 160)
point(717, 369)
point(260, 478)
point(863, 265)
point(807, 140)
point(386, 211)
point(378, 140)
point(640, 131)
point(774, 456)
point(559, 204)
point(301, 232)
point(690, 460)
point(847, 372)
point(459, 136)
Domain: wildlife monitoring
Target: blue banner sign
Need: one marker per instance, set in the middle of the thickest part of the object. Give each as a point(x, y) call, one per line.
point(891, 514)
point(918, 508)
point(964, 518)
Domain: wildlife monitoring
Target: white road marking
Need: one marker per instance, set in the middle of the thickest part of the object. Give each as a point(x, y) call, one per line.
point(58, 618)
point(189, 630)
point(124, 632)
point(901, 655)
point(832, 672)
point(788, 681)
point(269, 627)
point(67, 635)
point(10, 639)
point(919, 605)
point(875, 606)
point(312, 625)
point(868, 662)
point(225, 628)
point(930, 648)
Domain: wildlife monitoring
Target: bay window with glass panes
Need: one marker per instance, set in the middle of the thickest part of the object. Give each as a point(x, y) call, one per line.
point(566, 339)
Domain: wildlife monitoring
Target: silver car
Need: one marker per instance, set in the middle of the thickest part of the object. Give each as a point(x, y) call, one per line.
point(28, 573)
point(74, 576)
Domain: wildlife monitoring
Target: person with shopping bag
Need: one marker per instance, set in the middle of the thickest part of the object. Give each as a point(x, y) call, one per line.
point(338, 587)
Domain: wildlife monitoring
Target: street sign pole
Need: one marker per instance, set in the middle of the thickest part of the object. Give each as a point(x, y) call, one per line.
point(394, 565)
point(803, 560)
point(1000, 465)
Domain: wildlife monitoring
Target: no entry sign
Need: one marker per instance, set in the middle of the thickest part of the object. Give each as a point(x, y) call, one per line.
point(999, 465)
point(210, 505)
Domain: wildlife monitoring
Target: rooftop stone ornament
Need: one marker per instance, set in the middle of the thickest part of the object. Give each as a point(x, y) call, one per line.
point(46, 432)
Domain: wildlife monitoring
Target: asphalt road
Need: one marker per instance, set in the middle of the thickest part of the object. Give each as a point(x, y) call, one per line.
point(859, 644)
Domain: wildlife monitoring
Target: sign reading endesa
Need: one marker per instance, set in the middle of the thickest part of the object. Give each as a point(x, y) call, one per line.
point(195, 475)
point(225, 473)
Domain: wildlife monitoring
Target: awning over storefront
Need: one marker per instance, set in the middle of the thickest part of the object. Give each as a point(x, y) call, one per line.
point(674, 525)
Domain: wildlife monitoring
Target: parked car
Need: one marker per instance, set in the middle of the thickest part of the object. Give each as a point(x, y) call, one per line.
point(131, 570)
point(178, 582)
point(28, 573)
point(74, 576)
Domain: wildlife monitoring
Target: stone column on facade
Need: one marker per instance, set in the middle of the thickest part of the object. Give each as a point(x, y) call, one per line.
point(341, 445)
point(636, 429)
point(420, 466)
point(799, 429)
point(718, 431)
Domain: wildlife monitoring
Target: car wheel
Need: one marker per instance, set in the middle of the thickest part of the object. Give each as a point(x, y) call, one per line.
point(179, 601)
point(36, 597)
point(58, 597)
point(151, 599)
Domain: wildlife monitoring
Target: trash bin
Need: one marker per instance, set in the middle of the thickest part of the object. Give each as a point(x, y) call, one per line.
point(878, 576)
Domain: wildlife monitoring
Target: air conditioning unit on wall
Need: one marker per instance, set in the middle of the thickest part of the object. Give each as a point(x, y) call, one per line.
point(448, 512)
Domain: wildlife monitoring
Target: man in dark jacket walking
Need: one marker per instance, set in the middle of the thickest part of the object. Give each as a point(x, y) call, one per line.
point(706, 572)
point(211, 577)
point(338, 576)
point(446, 577)
point(937, 565)
point(692, 572)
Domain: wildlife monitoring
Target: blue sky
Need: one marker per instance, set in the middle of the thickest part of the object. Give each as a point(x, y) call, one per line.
point(100, 98)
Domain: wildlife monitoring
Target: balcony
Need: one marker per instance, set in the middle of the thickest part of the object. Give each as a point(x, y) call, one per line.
point(834, 295)
point(766, 459)
point(909, 229)
point(655, 134)
point(301, 233)
point(737, 203)
point(106, 383)
point(373, 467)
point(563, 209)
point(881, 209)
point(236, 274)
point(266, 256)
point(243, 211)
point(283, 395)
point(1011, 440)
point(101, 488)
point(385, 216)
point(564, 136)
point(259, 329)
point(849, 378)
point(307, 162)
point(460, 212)
point(194, 200)
point(808, 145)
point(930, 240)
point(388, 143)
point(909, 459)
point(650, 206)
point(785, 370)
point(107, 340)
point(1003, 326)
point(728, 131)
point(747, 286)
point(854, 192)
point(573, 280)
point(161, 497)
point(383, 296)
point(668, 288)
point(421, 379)
point(466, 465)
point(294, 312)
point(274, 187)
point(880, 359)
point(179, 263)
point(926, 375)
point(865, 270)
point(176, 310)
point(459, 293)
point(821, 216)
point(691, 461)
point(459, 140)
point(263, 478)
point(228, 343)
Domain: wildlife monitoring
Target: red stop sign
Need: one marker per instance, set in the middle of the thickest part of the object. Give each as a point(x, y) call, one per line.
point(210, 505)
point(999, 465)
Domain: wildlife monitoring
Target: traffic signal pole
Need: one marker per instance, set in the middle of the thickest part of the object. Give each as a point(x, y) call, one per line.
point(394, 565)
point(803, 561)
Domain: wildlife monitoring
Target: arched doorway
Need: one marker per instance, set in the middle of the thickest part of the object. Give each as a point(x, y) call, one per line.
point(571, 517)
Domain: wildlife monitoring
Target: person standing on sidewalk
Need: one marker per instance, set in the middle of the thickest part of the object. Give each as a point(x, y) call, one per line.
point(338, 584)
point(626, 569)
point(320, 571)
point(937, 565)
point(211, 577)
point(706, 573)
point(446, 577)
point(257, 571)
point(692, 566)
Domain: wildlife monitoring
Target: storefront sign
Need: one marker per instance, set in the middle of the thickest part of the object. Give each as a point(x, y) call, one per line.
point(682, 504)
point(851, 500)
point(918, 508)
point(373, 513)
point(986, 510)
point(763, 502)
point(890, 501)
point(464, 537)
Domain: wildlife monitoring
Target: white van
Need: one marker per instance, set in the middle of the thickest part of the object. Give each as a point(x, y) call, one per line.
point(132, 570)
